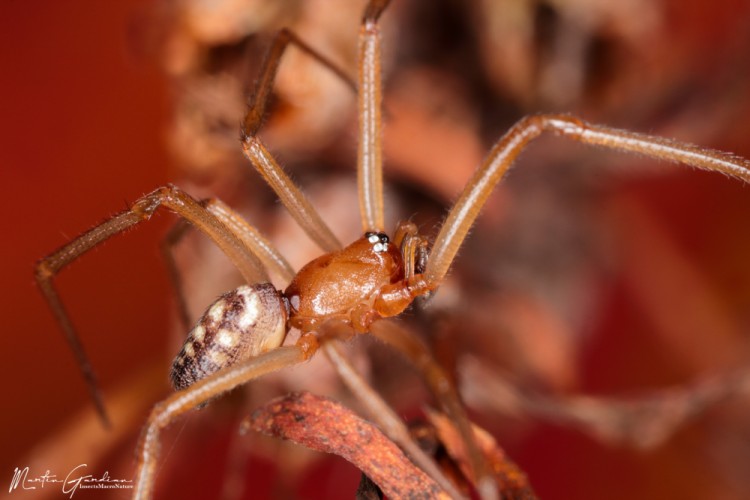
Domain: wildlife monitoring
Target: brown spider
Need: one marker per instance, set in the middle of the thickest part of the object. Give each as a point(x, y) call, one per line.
point(354, 289)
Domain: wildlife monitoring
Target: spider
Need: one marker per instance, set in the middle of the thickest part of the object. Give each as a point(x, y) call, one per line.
point(354, 289)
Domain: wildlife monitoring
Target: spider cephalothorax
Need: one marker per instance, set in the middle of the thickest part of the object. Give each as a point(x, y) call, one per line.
point(342, 283)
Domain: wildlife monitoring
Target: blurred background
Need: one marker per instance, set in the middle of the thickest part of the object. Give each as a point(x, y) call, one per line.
point(589, 273)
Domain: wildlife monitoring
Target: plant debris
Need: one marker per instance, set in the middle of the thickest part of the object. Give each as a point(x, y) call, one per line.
point(324, 425)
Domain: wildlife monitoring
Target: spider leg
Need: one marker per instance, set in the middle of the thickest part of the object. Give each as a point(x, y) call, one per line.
point(407, 343)
point(170, 241)
point(269, 257)
point(170, 197)
point(507, 149)
point(264, 84)
point(290, 195)
point(369, 109)
point(378, 410)
point(202, 391)
point(251, 238)
point(292, 198)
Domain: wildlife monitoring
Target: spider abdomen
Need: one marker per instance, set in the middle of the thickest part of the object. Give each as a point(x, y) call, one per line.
point(240, 324)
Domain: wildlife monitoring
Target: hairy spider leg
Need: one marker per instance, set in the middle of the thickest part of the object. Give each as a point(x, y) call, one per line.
point(291, 197)
point(175, 200)
point(369, 109)
point(506, 150)
point(199, 393)
point(263, 249)
point(377, 409)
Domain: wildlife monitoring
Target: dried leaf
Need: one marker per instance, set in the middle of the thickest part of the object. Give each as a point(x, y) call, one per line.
point(324, 425)
point(511, 481)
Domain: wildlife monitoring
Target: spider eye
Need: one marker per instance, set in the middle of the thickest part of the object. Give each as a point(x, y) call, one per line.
point(240, 324)
point(379, 241)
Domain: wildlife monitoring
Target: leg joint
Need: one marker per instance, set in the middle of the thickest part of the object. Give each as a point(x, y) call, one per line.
point(42, 271)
